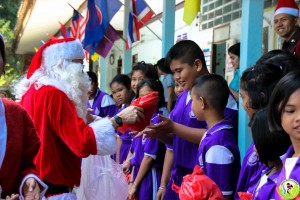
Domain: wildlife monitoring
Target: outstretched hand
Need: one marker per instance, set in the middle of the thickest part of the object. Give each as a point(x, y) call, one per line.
point(12, 197)
point(89, 117)
point(31, 189)
point(158, 130)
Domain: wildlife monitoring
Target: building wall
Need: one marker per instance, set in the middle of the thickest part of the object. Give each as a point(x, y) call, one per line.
point(149, 48)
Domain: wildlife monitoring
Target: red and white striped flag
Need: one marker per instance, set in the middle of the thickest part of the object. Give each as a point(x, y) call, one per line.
point(78, 25)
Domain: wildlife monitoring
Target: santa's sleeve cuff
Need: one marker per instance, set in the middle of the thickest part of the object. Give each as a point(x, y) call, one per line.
point(105, 136)
point(38, 180)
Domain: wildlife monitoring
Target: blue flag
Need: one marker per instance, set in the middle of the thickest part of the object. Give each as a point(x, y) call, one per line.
point(100, 13)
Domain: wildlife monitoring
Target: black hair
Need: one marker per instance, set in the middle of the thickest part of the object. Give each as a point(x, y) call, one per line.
point(280, 96)
point(186, 51)
point(285, 59)
point(214, 89)
point(155, 86)
point(93, 77)
point(122, 79)
point(269, 145)
point(161, 64)
point(2, 49)
point(147, 69)
point(235, 49)
point(259, 82)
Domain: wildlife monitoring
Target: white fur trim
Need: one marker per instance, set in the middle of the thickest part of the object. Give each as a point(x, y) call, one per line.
point(290, 11)
point(65, 196)
point(56, 53)
point(43, 192)
point(105, 136)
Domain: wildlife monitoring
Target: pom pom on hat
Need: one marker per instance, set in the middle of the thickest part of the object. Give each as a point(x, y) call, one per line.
point(51, 52)
point(287, 7)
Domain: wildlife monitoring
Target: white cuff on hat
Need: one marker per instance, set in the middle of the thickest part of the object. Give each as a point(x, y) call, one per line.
point(290, 11)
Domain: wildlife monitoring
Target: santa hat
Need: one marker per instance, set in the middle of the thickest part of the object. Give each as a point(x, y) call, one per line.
point(51, 52)
point(287, 7)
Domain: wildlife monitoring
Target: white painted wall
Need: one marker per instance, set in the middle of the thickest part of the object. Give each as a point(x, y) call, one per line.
point(149, 49)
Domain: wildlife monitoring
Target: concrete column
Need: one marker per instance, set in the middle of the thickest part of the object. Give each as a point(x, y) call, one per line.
point(251, 50)
point(127, 58)
point(168, 26)
point(103, 73)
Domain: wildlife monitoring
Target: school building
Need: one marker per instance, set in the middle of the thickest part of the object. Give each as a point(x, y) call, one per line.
point(218, 25)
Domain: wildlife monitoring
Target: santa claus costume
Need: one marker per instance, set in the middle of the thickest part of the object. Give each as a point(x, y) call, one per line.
point(54, 93)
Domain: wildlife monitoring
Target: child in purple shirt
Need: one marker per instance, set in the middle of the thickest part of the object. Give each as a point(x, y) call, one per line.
point(147, 154)
point(122, 94)
point(269, 146)
point(284, 115)
point(218, 153)
point(256, 86)
point(100, 102)
point(183, 130)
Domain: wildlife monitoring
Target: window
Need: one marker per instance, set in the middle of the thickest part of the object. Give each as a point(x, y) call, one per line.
point(220, 11)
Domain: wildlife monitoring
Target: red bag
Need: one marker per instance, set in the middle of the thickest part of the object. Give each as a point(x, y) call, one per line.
point(197, 186)
point(149, 104)
point(245, 196)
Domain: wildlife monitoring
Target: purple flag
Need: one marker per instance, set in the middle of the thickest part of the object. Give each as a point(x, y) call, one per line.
point(104, 46)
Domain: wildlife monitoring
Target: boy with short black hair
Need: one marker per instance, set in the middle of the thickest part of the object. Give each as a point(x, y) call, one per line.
point(183, 130)
point(218, 153)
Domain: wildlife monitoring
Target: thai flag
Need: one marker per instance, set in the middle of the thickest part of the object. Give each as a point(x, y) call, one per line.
point(139, 14)
point(143, 12)
point(133, 33)
point(78, 25)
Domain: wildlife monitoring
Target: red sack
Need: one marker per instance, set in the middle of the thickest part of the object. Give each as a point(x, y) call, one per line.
point(245, 196)
point(197, 186)
point(149, 104)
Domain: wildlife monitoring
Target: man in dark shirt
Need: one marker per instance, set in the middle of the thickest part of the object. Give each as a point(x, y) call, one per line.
point(286, 25)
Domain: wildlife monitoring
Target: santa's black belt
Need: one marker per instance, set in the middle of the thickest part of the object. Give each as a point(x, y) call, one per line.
point(57, 189)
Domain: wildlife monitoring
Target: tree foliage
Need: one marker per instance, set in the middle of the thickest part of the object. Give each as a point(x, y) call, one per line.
point(8, 18)
point(9, 10)
point(13, 61)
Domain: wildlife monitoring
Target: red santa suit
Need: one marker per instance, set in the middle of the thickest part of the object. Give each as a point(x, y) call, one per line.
point(65, 137)
point(19, 144)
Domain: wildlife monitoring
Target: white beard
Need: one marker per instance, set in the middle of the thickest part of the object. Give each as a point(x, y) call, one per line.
point(65, 76)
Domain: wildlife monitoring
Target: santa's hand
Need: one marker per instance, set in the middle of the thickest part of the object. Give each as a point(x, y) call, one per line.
point(12, 197)
point(131, 115)
point(31, 189)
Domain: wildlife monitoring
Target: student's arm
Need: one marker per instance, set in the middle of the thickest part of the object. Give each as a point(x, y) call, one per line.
point(164, 131)
point(126, 164)
point(144, 168)
point(119, 143)
point(170, 98)
point(166, 173)
point(235, 94)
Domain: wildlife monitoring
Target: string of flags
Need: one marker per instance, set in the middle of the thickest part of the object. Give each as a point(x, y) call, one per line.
point(95, 31)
